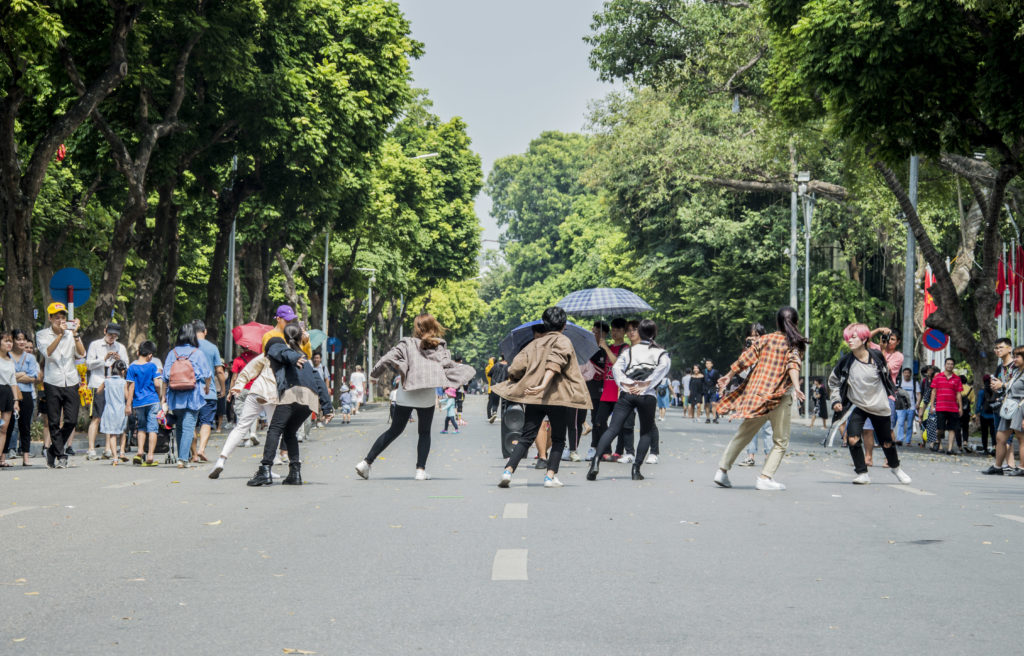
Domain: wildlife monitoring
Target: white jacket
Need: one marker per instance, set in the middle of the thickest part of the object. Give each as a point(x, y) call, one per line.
point(96, 359)
point(265, 383)
point(653, 361)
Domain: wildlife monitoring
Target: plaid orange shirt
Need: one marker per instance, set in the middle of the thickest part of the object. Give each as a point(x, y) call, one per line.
point(768, 382)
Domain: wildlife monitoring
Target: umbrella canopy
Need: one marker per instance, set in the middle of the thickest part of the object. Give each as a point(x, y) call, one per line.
point(316, 338)
point(583, 341)
point(603, 301)
point(250, 335)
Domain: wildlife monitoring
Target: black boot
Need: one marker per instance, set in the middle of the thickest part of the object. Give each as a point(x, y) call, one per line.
point(294, 476)
point(595, 467)
point(261, 477)
point(637, 476)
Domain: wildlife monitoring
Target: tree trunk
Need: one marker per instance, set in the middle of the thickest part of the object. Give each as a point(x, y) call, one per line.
point(229, 202)
point(166, 295)
point(152, 250)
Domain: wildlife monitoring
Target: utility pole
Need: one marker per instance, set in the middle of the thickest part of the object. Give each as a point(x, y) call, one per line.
point(908, 277)
point(229, 314)
point(792, 250)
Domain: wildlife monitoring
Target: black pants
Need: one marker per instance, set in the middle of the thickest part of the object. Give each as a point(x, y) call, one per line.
point(883, 436)
point(575, 428)
point(24, 426)
point(284, 426)
point(627, 430)
point(492, 404)
point(644, 405)
point(61, 400)
point(399, 420)
point(559, 417)
point(988, 427)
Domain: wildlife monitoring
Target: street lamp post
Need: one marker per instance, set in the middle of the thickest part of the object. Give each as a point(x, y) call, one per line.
point(908, 275)
point(803, 178)
point(369, 338)
point(229, 314)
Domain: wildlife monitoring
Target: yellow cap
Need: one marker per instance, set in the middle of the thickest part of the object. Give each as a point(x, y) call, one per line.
point(54, 308)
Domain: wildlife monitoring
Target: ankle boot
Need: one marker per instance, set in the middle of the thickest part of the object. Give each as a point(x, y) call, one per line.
point(595, 466)
point(294, 474)
point(261, 477)
point(637, 476)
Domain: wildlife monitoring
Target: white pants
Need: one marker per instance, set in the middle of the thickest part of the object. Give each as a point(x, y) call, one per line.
point(245, 420)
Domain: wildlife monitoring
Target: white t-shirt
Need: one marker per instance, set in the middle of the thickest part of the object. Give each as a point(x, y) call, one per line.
point(686, 383)
point(7, 371)
point(418, 398)
point(358, 379)
point(675, 386)
point(59, 368)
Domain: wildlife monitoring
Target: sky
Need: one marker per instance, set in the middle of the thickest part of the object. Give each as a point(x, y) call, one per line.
point(510, 69)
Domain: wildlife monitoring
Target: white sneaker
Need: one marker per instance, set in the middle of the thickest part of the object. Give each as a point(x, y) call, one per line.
point(768, 484)
point(863, 479)
point(506, 478)
point(627, 458)
point(590, 453)
point(363, 469)
point(575, 457)
point(552, 482)
point(901, 475)
point(91, 455)
point(422, 475)
point(652, 459)
point(722, 478)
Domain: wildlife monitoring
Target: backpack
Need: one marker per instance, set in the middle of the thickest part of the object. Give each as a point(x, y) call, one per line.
point(181, 377)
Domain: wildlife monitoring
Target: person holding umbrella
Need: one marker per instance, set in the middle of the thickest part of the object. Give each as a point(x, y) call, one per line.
point(546, 378)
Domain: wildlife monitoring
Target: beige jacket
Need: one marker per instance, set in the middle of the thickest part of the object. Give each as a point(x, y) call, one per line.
point(259, 370)
point(551, 351)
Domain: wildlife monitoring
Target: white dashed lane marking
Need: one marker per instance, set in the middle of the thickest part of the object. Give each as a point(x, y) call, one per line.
point(18, 509)
point(912, 490)
point(833, 472)
point(1013, 518)
point(515, 511)
point(509, 565)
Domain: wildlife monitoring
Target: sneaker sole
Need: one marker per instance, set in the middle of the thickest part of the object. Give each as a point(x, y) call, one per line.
point(504, 483)
point(216, 472)
point(363, 476)
point(721, 484)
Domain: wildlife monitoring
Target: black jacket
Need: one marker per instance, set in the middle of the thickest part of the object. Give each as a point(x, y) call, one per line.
point(282, 362)
point(842, 372)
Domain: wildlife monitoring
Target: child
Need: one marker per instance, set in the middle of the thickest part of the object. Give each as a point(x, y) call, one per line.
point(448, 405)
point(346, 407)
point(115, 413)
point(144, 400)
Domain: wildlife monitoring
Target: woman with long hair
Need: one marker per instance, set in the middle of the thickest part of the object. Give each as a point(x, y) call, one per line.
point(696, 390)
point(861, 385)
point(10, 393)
point(767, 395)
point(300, 393)
point(424, 364)
point(28, 375)
point(187, 376)
point(546, 379)
point(637, 372)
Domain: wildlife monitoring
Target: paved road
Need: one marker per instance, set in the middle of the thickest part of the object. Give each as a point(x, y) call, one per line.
point(103, 560)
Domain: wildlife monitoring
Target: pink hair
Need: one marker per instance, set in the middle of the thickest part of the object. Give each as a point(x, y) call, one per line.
point(856, 330)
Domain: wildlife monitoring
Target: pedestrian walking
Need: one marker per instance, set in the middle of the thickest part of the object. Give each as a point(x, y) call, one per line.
point(638, 372)
point(187, 379)
point(547, 380)
point(665, 398)
point(767, 395)
point(28, 376)
point(214, 395)
point(144, 385)
point(99, 357)
point(238, 399)
point(358, 386)
point(423, 364)
point(60, 344)
point(116, 409)
point(301, 392)
point(448, 406)
point(862, 379)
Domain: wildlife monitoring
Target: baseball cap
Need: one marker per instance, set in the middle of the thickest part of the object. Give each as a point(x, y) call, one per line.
point(285, 312)
point(114, 328)
point(54, 308)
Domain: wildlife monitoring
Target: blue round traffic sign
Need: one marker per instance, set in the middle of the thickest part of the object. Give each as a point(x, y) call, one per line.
point(76, 279)
point(334, 345)
point(935, 340)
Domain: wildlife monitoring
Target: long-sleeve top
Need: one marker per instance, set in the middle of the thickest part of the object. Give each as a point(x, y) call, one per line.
point(764, 388)
point(423, 368)
point(259, 377)
point(642, 354)
point(96, 359)
point(296, 384)
point(27, 364)
point(187, 399)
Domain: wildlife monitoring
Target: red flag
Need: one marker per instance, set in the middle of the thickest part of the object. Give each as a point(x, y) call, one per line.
point(929, 302)
point(1000, 286)
point(1018, 288)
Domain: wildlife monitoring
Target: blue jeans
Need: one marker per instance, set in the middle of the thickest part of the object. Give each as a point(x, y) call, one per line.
point(905, 425)
point(184, 430)
point(766, 435)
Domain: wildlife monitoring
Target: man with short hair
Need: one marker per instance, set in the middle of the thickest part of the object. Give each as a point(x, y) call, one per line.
point(208, 413)
point(711, 377)
point(1005, 371)
point(100, 356)
point(945, 400)
point(60, 343)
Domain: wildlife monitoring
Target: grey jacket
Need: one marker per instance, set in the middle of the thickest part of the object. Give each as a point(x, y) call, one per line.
point(423, 368)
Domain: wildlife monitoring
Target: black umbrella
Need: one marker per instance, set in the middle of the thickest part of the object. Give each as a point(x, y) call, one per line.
point(582, 340)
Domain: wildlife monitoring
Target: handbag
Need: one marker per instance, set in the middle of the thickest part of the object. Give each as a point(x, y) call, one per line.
point(1010, 405)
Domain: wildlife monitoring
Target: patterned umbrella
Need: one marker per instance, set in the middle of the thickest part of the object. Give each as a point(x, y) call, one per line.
point(603, 301)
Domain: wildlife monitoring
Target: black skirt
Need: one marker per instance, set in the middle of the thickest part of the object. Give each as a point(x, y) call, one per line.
point(6, 398)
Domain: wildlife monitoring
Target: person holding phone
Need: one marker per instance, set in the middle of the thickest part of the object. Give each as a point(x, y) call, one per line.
point(60, 344)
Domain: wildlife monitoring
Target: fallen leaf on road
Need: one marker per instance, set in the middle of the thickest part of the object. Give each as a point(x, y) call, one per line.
point(216, 523)
point(986, 542)
point(288, 650)
point(31, 594)
point(892, 541)
point(396, 526)
point(17, 639)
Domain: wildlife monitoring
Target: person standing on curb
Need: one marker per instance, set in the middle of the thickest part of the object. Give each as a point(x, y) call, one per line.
point(547, 380)
point(60, 344)
point(862, 379)
point(767, 395)
point(424, 364)
point(99, 357)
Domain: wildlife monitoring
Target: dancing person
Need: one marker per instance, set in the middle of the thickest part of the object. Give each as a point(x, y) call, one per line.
point(637, 373)
point(187, 378)
point(862, 379)
point(547, 380)
point(301, 392)
point(767, 395)
point(257, 384)
point(423, 363)
point(143, 382)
